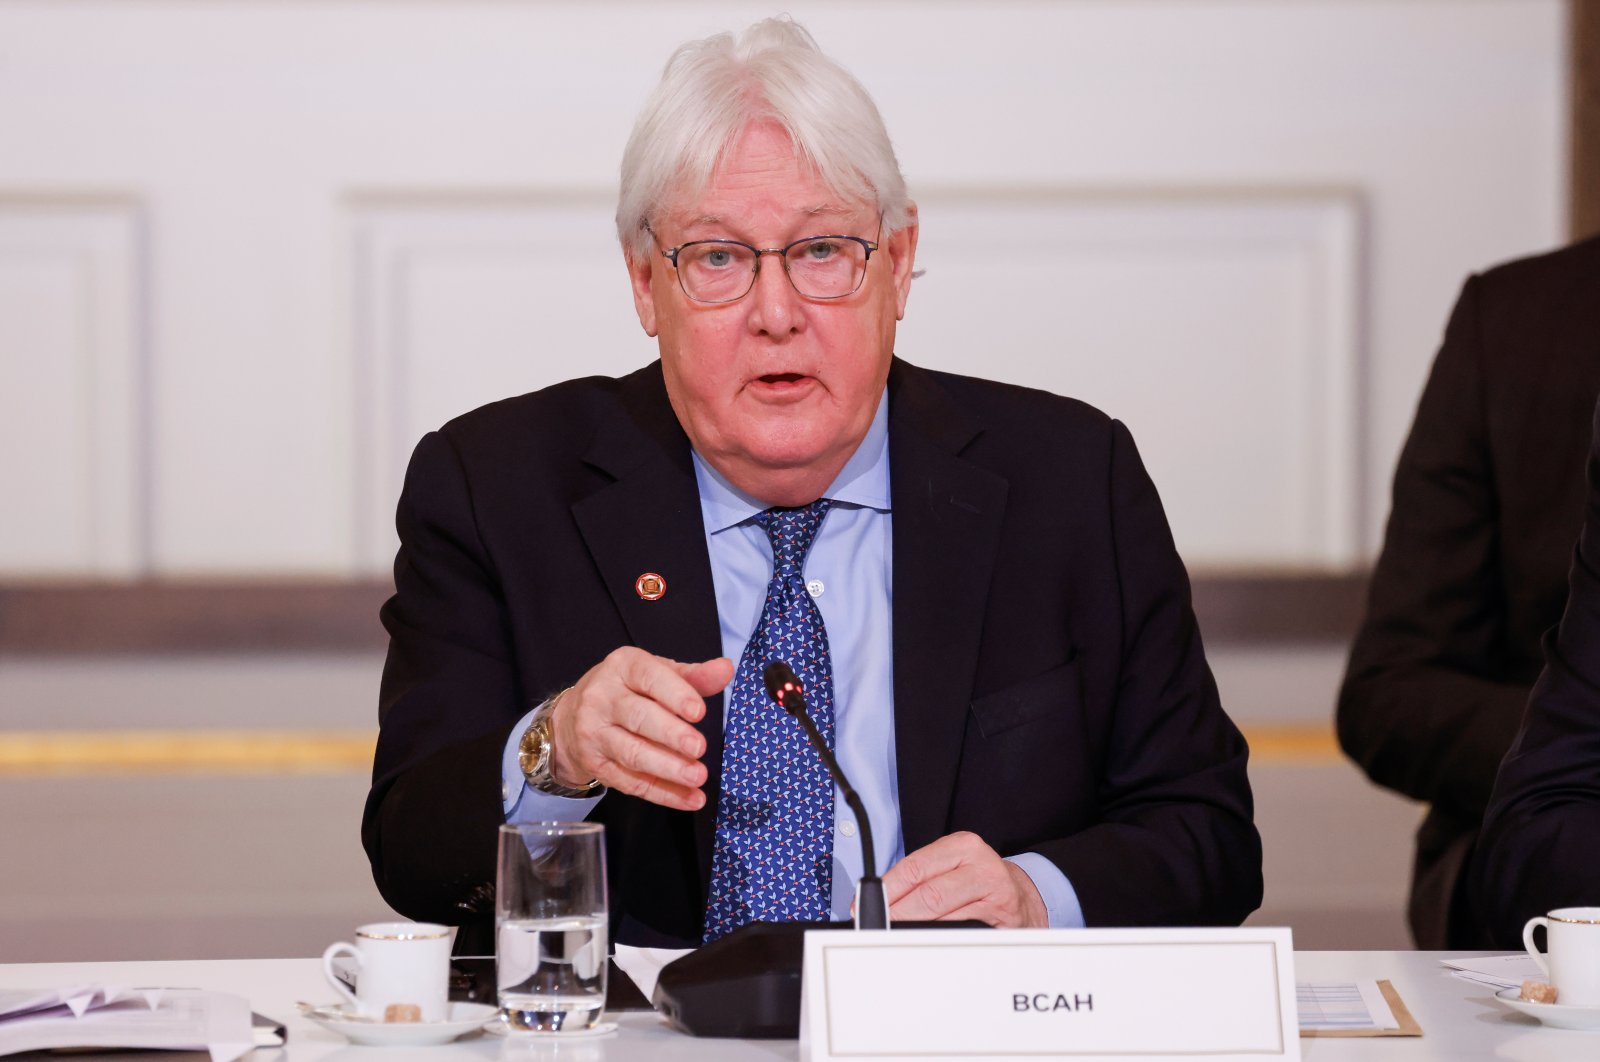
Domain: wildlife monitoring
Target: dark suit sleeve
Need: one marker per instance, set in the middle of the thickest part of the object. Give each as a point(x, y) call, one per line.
point(1541, 836)
point(1421, 708)
point(1175, 843)
point(448, 701)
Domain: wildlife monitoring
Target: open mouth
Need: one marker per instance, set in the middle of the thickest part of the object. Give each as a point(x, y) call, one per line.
point(782, 378)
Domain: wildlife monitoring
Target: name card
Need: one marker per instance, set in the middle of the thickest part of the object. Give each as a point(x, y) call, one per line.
point(1128, 995)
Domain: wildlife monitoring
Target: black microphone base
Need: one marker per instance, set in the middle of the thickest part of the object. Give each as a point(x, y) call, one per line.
point(746, 985)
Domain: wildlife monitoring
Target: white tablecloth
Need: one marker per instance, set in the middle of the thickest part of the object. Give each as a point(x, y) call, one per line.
point(1460, 1022)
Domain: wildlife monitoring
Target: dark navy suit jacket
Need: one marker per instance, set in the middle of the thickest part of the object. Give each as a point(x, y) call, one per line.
point(1050, 689)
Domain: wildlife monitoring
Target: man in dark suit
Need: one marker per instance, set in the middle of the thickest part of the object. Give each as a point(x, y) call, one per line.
point(996, 624)
point(1488, 497)
point(1538, 849)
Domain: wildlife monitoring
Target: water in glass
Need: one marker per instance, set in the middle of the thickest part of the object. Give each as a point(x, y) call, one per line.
point(552, 973)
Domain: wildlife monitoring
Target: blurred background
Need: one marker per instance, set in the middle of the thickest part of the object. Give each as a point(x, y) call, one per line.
point(250, 251)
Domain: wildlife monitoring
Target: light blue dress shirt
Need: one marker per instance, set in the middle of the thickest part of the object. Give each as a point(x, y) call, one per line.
point(849, 573)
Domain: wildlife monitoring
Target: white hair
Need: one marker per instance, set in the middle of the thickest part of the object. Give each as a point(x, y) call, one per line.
point(713, 89)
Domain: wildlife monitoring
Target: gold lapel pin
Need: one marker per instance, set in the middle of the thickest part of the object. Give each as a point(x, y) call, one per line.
point(650, 586)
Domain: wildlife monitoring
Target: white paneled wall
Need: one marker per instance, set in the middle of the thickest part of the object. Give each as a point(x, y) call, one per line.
point(467, 300)
point(249, 251)
point(72, 375)
point(1222, 327)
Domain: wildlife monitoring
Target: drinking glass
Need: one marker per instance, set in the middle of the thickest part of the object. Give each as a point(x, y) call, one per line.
point(550, 926)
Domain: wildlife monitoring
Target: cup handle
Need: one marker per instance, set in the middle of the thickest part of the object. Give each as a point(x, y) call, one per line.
point(327, 970)
point(1527, 941)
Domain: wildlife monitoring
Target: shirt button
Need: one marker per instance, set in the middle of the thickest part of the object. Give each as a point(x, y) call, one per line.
point(815, 588)
point(847, 828)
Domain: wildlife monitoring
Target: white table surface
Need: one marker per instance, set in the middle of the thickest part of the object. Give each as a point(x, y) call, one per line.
point(1460, 1021)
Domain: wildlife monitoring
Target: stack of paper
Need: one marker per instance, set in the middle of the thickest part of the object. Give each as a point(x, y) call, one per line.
point(114, 1017)
point(1497, 971)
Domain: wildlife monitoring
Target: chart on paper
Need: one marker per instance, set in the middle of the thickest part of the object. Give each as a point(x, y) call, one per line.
point(1345, 1005)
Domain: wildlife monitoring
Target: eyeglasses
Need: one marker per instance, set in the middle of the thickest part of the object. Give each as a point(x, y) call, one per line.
point(819, 267)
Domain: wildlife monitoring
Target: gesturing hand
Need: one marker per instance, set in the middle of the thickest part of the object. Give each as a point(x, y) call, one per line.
point(957, 877)
point(628, 722)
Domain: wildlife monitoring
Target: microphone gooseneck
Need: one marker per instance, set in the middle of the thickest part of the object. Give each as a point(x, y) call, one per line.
point(786, 691)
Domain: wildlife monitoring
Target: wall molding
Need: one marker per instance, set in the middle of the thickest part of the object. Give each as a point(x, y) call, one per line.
point(1117, 279)
point(38, 753)
point(78, 321)
point(192, 615)
point(1584, 120)
point(449, 306)
point(341, 616)
point(59, 753)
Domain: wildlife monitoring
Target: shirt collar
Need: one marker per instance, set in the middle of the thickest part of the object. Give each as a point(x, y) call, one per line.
point(863, 481)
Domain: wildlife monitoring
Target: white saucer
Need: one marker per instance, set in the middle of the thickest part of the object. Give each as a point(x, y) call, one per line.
point(1556, 1015)
point(463, 1018)
point(604, 1028)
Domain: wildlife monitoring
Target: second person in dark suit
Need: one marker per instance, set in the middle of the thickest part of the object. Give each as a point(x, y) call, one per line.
point(1488, 497)
point(1540, 848)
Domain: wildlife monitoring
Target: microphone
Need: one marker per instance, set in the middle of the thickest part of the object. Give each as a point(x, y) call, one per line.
point(872, 906)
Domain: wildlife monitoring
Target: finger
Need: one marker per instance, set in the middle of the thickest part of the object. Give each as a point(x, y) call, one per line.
point(930, 861)
point(636, 755)
point(938, 897)
point(1007, 906)
point(655, 790)
point(1010, 902)
point(646, 717)
point(662, 681)
point(709, 676)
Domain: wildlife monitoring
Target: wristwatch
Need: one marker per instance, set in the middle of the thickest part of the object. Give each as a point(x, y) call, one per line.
point(534, 755)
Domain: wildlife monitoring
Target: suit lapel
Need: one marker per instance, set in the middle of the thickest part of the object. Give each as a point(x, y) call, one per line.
point(947, 518)
point(647, 520)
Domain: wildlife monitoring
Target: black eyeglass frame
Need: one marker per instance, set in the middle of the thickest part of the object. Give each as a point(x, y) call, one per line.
point(671, 255)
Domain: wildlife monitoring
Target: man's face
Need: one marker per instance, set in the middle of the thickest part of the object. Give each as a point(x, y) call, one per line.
point(775, 390)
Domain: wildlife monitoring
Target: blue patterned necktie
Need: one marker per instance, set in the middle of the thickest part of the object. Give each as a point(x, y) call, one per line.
point(773, 858)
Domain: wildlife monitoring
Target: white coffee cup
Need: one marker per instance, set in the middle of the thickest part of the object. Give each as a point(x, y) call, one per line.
point(1572, 953)
point(398, 964)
